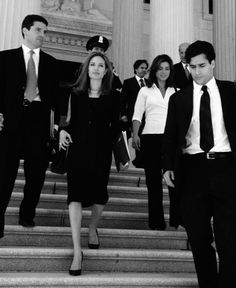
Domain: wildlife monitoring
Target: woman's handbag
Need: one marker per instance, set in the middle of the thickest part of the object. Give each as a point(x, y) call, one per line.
point(59, 163)
point(121, 152)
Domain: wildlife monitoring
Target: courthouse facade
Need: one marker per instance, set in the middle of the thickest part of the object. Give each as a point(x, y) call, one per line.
point(135, 28)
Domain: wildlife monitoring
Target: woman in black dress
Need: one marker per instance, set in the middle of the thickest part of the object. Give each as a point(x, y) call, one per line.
point(93, 127)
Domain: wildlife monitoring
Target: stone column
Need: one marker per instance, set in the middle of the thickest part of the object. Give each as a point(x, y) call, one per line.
point(171, 23)
point(127, 35)
point(224, 38)
point(12, 12)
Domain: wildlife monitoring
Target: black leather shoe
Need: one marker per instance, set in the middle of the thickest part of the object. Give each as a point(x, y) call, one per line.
point(26, 223)
point(78, 271)
point(94, 246)
point(75, 272)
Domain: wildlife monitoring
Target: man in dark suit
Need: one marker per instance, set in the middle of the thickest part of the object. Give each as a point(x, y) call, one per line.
point(131, 87)
point(199, 159)
point(182, 76)
point(129, 92)
point(28, 92)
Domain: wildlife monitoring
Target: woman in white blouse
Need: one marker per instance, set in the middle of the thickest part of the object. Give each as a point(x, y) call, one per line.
point(152, 101)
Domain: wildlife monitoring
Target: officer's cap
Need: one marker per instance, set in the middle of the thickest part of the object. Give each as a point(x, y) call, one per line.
point(97, 41)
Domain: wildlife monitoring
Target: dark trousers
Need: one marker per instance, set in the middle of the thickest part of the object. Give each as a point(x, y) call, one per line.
point(29, 144)
point(151, 148)
point(209, 194)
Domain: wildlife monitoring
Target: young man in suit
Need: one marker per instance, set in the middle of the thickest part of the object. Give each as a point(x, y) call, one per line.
point(182, 76)
point(129, 92)
point(131, 87)
point(28, 92)
point(199, 159)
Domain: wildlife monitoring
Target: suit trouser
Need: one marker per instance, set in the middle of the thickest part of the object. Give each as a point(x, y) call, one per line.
point(30, 144)
point(151, 147)
point(209, 193)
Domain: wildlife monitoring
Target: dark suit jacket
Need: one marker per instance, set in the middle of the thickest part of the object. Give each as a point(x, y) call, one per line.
point(179, 117)
point(129, 94)
point(180, 80)
point(12, 87)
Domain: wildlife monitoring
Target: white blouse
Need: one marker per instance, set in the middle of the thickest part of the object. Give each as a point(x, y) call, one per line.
point(151, 102)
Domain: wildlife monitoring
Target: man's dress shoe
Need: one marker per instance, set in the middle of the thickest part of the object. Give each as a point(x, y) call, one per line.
point(26, 223)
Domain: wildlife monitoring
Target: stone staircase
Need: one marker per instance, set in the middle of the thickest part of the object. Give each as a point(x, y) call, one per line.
point(130, 255)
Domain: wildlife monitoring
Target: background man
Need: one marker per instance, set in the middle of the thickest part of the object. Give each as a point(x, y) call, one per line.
point(199, 158)
point(182, 76)
point(131, 87)
point(129, 92)
point(28, 92)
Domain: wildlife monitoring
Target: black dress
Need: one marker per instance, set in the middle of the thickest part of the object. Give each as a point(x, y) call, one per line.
point(94, 126)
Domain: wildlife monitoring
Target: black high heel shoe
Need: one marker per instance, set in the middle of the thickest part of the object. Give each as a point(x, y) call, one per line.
point(78, 271)
point(94, 246)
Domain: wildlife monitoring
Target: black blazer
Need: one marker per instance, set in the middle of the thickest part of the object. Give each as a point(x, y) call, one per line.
point(180, 79)
point(129, 94)
point(179, 117)
point(12, 87)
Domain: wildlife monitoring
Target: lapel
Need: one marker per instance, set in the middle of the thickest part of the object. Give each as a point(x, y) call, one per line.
point(43, 73)
point(225, 97)
point(21, 63)
point(188, 106)
point(136, 84)
point(41, 64)
point(188, 101)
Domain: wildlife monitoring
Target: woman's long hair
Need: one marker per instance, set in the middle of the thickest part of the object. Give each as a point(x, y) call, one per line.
point(82, 84)
point(156, 63)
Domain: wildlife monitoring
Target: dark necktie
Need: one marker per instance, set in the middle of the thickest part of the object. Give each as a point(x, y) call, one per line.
point(31, 83)
point(142, 84)
point(186, 71)
point(206, 130)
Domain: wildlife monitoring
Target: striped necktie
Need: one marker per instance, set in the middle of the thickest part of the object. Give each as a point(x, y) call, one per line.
point(142, 84)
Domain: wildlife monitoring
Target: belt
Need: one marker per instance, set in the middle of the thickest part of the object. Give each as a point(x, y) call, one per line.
point(210, 155)
point(27, 103)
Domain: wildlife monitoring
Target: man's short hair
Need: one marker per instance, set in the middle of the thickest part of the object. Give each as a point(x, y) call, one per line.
point(139, 62)
point(30, 19)
point(200, 47)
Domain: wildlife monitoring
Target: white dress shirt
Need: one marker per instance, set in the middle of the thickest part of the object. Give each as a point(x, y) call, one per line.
point(151, 102)
point(221, 142)
point(35, 56)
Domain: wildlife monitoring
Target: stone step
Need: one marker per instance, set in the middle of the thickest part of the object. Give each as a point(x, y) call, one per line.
point(98, 279)
point(44, 236)
point(56, 201)
point(114, 179)
point(114, 191)
point(109, 219)
point(44, 259)
point(129, 171)
point(59, 217)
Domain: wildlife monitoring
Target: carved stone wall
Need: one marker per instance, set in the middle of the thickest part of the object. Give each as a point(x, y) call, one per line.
point(70, 28)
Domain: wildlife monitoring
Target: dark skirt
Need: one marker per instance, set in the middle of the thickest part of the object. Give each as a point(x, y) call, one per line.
point(88, 172)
